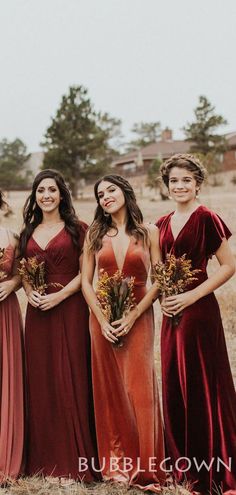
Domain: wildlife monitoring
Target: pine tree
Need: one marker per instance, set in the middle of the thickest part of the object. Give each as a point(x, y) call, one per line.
point(146, 133)
point(13, 156)
point(202, 133)
point(77, 141)
point(205, 141)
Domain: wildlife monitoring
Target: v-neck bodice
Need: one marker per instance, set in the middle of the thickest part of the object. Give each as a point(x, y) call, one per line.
point(184, 226)
point(136, 261)
point(120, 267)
point(61, 256)
point(199, 238)
point(50, 240)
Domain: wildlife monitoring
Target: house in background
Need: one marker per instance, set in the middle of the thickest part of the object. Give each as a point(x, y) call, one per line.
point(138, 162)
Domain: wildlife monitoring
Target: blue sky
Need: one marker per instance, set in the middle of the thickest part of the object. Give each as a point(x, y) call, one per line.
point(141, 60)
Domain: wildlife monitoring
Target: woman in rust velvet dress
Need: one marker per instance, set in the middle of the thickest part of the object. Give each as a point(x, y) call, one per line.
point(127, 413)
point(11, 370)
point(57, 340)
point(199, 398)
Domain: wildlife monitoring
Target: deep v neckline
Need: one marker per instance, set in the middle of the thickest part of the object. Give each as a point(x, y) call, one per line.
point(186, 223)
point(49, 242)
point(126, 253)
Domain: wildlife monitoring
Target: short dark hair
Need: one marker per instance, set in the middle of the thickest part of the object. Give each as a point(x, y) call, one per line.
point(184, 160)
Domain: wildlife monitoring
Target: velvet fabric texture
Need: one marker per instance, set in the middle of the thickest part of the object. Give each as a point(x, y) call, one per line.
point(127, 412)
point(199, 400)
point(11, 379)
point(61, 424)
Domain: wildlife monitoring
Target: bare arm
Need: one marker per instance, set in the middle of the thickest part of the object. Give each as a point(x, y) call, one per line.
point(175, 304)
point(88, 269)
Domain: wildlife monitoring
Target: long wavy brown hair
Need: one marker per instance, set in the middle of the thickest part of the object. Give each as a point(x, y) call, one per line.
point(102, 224)
point(33, 216)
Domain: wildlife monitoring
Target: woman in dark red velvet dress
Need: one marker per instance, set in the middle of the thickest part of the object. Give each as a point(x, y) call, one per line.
point(60, 416)
point(199, 398)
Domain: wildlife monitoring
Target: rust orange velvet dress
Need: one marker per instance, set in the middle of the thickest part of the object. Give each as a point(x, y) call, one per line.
point(199, 398)
point(60, 417)
point(11, 378)
point(127, 412)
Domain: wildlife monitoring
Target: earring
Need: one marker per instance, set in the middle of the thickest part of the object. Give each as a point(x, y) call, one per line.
point(197, 193)
point(106, 214)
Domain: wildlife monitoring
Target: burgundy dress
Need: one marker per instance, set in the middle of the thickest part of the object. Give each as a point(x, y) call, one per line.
point(11, 377)
point(127, 410)
point(199, 398)
point(61, 428)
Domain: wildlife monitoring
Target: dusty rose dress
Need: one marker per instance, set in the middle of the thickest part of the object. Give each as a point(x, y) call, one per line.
point(127, 412)
point(11, 376)
point(199, 399)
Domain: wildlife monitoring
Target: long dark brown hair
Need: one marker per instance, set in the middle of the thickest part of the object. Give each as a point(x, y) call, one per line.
point(101, 223)
point(33, 215)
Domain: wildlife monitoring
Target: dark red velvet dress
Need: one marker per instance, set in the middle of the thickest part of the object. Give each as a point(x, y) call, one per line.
point(58, 371)
point(199, 398)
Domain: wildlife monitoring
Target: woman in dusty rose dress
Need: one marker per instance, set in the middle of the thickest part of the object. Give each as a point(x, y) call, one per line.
point(127, 413)
point(199, 399)
point(11, 369)
point(60, 406)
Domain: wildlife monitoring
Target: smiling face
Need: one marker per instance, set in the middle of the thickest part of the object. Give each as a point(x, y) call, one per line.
point(48, 195)
point(111, 197)
point(182, 185)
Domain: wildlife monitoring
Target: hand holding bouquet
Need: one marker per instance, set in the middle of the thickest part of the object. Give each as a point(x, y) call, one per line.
point(33, 272)
point(173, 276)
point(115, 296)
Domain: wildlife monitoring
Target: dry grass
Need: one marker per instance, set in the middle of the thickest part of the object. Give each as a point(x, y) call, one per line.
point(40, 486)
point(220, 199)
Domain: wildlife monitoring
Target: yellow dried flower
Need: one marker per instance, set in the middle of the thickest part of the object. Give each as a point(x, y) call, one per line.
point(33, 272)
point(115, 295)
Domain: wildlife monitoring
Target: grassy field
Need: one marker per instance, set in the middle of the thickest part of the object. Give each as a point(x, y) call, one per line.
point(222, 201)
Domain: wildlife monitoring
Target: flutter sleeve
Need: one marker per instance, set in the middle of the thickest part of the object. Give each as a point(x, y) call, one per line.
point(159, 222)
point(215, 232)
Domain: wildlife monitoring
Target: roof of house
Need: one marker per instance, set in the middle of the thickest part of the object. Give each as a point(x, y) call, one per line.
point(163, 149)
point(231, 138)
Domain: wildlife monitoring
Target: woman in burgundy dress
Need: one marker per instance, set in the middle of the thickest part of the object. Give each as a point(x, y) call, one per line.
point(60, 416)
point(199, 398)
point(11, 369)
point(127, 412)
